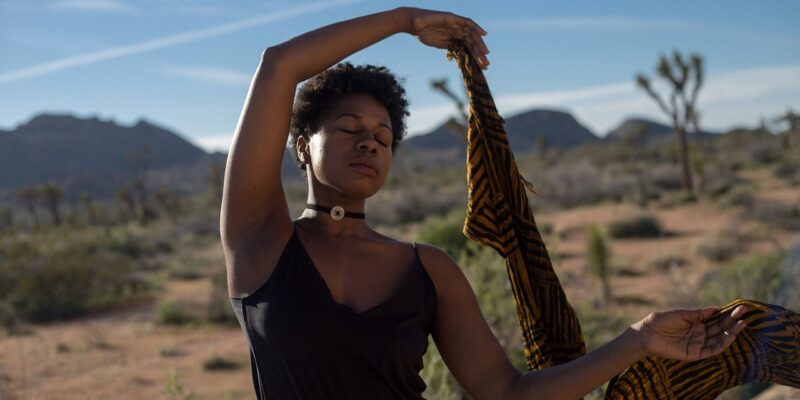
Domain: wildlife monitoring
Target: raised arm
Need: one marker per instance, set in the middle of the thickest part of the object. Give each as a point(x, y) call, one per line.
point(478, 362)
point(253, 201)
point(253, 194)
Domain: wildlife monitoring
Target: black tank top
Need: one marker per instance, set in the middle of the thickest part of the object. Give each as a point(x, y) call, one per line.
point(305, 345)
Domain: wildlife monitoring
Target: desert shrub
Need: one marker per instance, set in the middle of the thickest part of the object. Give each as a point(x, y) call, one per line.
point(599, 324)
point(756, 277)
point(718, 248)
point(719, 178)
point(187, 267)
point(132, 245)
point(776, 214)
point(685, 197)
point(220, 310)
point(445, 232)
point(8, 317)
point(764, 151)
point(641, 225)
point(219, 363)
point(571, 184)
point(786, 170)
point(414, 203)
point(55, 281)
point(174, 388)
point(665, 177)
point(738, 196)
point(170, 313)
point(668, 262)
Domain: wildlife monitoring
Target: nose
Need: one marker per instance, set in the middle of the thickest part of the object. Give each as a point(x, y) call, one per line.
point(367, 142)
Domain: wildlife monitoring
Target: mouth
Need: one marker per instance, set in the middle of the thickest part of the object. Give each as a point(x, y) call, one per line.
point(365, 168)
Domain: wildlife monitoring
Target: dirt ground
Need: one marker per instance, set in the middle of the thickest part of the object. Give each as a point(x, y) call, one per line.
point(126, 355)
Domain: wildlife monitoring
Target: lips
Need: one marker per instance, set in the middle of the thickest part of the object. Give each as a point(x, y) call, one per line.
point(366, 167)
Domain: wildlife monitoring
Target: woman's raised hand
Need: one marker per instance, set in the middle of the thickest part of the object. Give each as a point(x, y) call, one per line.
point(439, 29)
point(682, 335)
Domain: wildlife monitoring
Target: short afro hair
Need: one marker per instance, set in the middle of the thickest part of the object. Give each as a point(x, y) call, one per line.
point(319, 92)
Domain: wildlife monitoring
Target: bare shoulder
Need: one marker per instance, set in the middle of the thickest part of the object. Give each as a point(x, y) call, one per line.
point(447, 276)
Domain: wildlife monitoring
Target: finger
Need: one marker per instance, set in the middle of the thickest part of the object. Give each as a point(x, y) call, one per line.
point(476, 52)
point(721, 342)
point(733, 317)
point(476, 27)
point(479, 40)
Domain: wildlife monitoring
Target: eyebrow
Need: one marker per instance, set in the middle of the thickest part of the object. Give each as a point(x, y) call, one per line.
point(358, 117)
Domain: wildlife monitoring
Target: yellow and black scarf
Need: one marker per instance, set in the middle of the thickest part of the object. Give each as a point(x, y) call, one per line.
point(499, 216)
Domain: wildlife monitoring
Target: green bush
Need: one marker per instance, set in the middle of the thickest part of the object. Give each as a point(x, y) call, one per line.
point(635, 226)
point(169, 313)
point(738, 196)
point(174, 388)
point(718, 248)
point(218, 363)
point(445, 232)
point(45, 279)
point(756, 278)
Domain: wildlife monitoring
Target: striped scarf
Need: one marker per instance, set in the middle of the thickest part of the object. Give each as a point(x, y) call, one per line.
point(499, 216)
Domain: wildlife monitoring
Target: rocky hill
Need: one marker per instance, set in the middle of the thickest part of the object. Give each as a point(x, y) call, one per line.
point(98, 156)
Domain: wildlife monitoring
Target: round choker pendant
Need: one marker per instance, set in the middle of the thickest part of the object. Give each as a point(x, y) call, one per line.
point(337, 213)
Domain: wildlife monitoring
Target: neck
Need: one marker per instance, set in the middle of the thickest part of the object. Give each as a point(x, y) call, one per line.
point(346, 226)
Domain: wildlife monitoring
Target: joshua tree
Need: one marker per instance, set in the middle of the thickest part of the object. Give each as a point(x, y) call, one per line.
point(792, 120)
point(685, 79)
point(52, 195)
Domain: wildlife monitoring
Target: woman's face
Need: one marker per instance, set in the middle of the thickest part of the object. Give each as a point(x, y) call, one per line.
point(352, 151)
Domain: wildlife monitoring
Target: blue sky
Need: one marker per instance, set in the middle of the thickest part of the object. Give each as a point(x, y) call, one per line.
point(186, 64)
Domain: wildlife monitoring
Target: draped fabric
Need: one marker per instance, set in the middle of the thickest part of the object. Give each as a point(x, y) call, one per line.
point(499, 216)
point(767, 350)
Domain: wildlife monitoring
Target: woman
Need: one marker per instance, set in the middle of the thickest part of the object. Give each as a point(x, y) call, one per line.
point(332, 308)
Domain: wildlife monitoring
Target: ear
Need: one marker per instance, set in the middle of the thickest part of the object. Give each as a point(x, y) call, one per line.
point(301, 147)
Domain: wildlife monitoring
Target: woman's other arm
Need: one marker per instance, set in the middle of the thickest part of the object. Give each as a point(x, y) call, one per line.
point(478, 362)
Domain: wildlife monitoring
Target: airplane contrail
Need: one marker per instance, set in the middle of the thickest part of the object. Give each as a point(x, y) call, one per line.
point(160, 43)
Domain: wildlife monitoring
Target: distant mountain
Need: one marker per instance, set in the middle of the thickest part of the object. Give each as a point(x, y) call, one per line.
point(557, 128)
point(98, 156)
point(654, 131)
point(444, 144)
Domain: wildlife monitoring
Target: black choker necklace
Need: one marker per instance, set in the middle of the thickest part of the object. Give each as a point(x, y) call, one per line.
point(337, 212)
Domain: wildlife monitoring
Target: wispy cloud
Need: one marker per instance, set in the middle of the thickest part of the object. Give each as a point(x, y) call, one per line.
point(213, 75)
point(168, 41)
point(727, 99)
point(106, 6)
point(593, 23)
